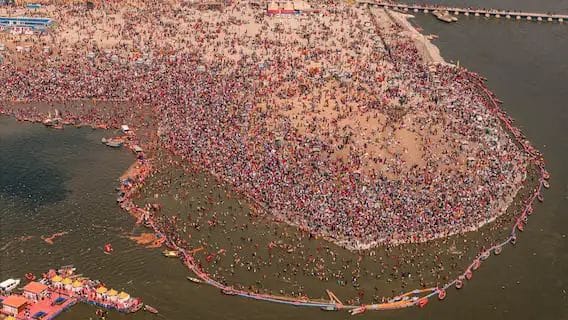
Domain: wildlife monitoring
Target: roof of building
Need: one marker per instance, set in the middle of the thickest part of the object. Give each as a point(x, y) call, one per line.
point(123, 295)
point(288, 6)
point(273, 6)
point(101, 290)
point(301, 5)
point(15, 301)
point(8, 283)
point(35, 287)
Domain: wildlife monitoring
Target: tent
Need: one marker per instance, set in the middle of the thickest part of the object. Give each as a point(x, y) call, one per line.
point(273, 8)
point(123, 296)
point(288, 8)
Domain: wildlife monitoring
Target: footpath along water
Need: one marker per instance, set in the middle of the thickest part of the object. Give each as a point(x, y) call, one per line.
point(526, 71)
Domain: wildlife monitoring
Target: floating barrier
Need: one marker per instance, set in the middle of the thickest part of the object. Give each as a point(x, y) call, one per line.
point(412, 298)
point(137, 176)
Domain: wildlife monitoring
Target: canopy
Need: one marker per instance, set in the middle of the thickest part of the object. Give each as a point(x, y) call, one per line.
point(123, 295)
point(77, 284)
point(112, 292)
point(102, 290)
point(67, 281)
point(288, 6)
point(56, 279)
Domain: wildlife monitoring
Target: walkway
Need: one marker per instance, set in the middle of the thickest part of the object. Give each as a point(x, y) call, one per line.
point(489, 13)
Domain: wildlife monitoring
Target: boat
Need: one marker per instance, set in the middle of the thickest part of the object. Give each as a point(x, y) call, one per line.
point(546, 184)
point(444, 16)
point(150, 309)
point(8, 285)
point(459, 284)
point(113, 143)
point(170, 253)
point(358, 310)
point(30, 276)
point(108, 249)
point(192, 279)
point(329, 308)
point(228, 292)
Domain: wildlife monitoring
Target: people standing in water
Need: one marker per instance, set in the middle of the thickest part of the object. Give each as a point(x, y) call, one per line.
point(333, 122)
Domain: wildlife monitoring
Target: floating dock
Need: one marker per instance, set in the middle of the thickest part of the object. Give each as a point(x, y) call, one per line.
point(58, 291)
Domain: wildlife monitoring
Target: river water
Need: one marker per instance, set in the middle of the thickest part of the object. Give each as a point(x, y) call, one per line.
point(63, 181)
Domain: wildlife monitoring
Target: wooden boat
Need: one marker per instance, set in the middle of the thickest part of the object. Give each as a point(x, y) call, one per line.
point(8, 285)
point(150, 309)
point(329, 308)
point(66, 270)
point(114, 143)
point(497, 251)
point(170, 253)
point(228, 292)
point(444, 16)
point(132, 309)
point(195, 280)
point(546, 184)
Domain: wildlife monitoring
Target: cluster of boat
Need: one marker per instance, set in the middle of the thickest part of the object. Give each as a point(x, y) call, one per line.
point(65, 281)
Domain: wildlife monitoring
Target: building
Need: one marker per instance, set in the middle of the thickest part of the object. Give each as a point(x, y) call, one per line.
point(273, 8)
point(206, 4)
point(26, 25)
point(101, 292)
point(288, 7)
point(112, 295)
point(67, 284)
point(35, 291)
point(77, 286)
point(14, 305)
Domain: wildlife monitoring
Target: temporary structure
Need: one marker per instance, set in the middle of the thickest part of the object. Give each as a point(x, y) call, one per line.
point(288, 8)
point(273, 8)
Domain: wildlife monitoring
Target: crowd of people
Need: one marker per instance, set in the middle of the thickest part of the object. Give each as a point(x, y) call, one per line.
point(334, 122)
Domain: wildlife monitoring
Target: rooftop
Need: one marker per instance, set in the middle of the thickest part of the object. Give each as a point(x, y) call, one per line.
point(35, 287)
point(15, 301)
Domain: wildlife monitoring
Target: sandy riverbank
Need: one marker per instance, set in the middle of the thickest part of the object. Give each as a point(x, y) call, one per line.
point(429, 52)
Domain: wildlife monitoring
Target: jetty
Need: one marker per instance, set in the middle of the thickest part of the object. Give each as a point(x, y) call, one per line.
point(59, 290)
point(488, 13)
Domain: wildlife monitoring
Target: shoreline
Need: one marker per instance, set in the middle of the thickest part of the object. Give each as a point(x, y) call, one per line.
point(430, 52)
point(301, 218)
point(431, 55)
point(139, 170)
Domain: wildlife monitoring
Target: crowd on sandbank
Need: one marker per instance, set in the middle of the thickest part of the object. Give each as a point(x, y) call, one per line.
point(303, 116)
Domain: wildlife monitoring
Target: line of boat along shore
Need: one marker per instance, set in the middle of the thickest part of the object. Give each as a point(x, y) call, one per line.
point(57, 122)
point(57, 291)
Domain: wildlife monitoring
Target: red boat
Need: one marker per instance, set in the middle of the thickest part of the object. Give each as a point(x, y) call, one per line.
point(150, 309)
point(30, 276)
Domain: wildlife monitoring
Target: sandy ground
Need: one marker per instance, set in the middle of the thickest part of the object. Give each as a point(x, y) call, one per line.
point(429, 52)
